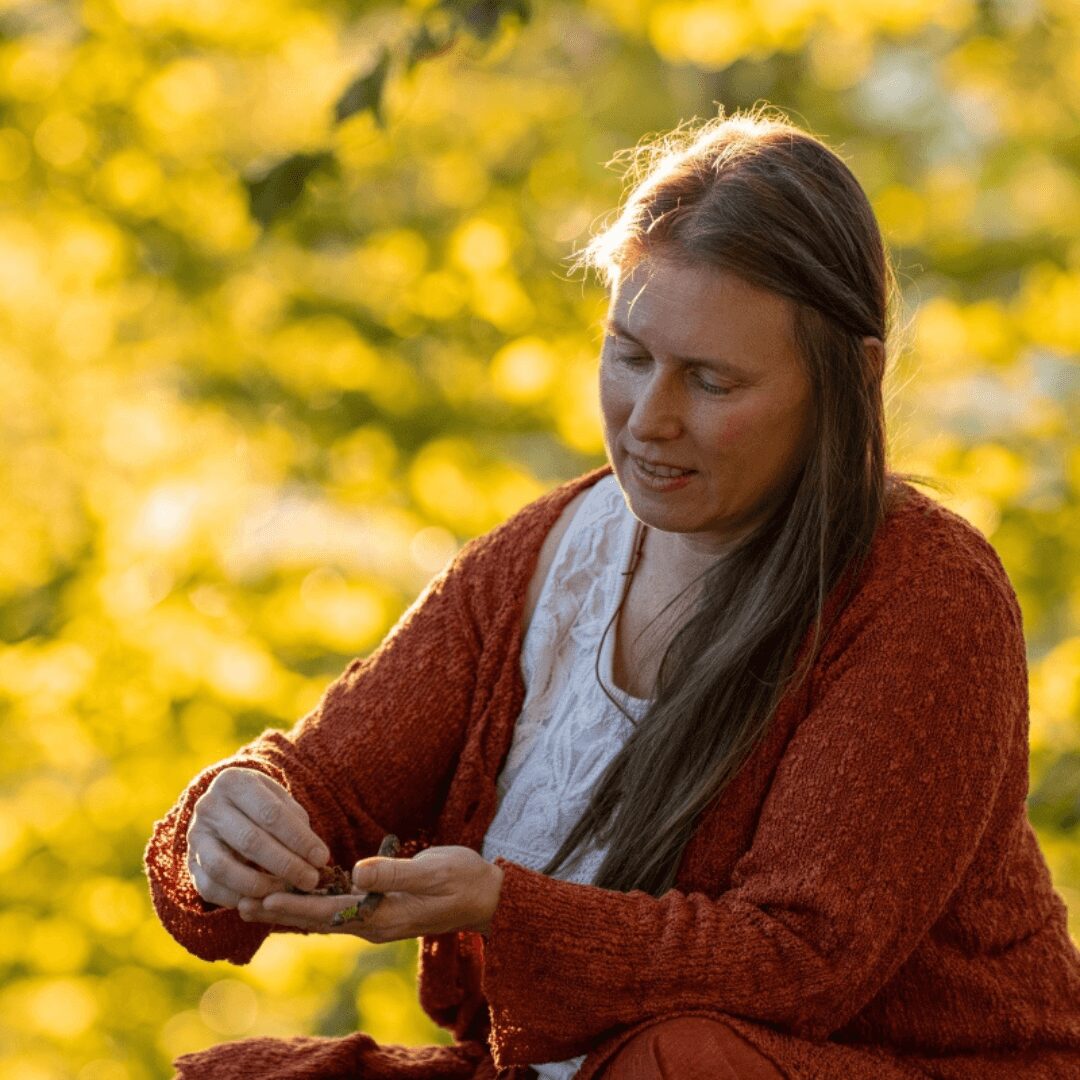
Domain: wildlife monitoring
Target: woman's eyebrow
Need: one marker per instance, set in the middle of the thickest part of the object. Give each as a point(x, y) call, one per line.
point(716, 363)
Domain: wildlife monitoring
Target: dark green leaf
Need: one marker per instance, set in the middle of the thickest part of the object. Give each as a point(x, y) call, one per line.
point(427, 42)
point(521, 8)
point(482, 19)
point(276, 190)
point(365, 92)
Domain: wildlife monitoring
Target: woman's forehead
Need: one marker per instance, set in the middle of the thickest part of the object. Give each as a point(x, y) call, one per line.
point(691, 308)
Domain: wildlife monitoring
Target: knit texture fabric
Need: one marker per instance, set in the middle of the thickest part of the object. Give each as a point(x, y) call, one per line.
point(865, 901)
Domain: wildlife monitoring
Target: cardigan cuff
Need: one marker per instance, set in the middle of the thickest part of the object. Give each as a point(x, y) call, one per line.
point(537, 940)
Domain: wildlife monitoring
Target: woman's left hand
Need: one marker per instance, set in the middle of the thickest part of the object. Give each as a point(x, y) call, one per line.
point(438, 890)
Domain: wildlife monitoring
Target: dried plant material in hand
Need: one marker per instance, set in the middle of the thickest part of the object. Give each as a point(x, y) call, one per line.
point(388, 849)
point(336, 881)
point(333, 881)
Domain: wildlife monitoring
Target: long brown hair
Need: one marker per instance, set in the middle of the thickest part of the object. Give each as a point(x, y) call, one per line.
point(753, 195)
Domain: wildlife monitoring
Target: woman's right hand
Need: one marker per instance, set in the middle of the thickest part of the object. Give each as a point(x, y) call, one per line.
point(249, 837)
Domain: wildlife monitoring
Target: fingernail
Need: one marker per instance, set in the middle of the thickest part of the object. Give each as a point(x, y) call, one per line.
point(319, 855)
point(311, 879)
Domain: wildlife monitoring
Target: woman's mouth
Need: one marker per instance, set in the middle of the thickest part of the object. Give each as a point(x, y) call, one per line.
point(661, 477)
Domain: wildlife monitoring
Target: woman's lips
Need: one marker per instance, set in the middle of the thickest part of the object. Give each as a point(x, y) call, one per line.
point(661, 465)
point(656, 483)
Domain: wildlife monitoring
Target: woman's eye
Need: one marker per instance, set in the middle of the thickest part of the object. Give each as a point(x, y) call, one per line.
point(710, 388)
point(634, 360)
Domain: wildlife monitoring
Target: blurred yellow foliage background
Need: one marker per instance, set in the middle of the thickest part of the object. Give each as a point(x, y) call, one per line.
point(232, 456)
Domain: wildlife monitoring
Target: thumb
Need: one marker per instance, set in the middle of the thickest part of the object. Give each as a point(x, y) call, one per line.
point(379, 874)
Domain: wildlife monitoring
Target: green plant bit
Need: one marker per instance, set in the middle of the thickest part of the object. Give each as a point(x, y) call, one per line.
point(388, 849)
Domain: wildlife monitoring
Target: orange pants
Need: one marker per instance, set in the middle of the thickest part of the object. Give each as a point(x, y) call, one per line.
point(689, 1048)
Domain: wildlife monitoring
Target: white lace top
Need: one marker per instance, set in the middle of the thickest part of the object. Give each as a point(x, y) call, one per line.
point(568, 729)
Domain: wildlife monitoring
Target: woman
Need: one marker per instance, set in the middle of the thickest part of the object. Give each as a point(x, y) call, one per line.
point(709, 763)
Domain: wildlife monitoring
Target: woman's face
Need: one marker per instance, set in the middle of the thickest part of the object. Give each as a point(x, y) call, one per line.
point(700, 371)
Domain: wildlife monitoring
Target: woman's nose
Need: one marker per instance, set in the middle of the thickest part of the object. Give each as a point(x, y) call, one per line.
point(656, 410)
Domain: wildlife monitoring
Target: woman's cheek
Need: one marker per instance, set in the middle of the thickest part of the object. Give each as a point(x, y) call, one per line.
point(614, 401)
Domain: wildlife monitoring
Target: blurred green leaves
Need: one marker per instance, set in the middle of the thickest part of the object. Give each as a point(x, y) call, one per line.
point(267, 362)
point(275, 192)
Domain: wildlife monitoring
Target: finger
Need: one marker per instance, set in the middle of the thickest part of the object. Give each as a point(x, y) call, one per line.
point(206, 887)
point(252, 910)
point(249, 839)
point(303, 911)
point(215, 863)
point(393, 875)
point(281, 817)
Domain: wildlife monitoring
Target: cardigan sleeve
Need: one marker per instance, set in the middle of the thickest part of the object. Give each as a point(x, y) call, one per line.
point(375, 756)
point(874, 813)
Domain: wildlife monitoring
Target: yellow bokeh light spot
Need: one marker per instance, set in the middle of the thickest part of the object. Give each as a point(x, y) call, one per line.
point(185, 1033)
point(1043, 193)
point(103, 1069)
point(85, 329)
point(252, 303)
point(322, 352)
point(180, 95)
point(522, 371)
point(61, 740)
point(576, 402)
point(977, 509)
point(389, 1011)
point(940, 336)
point(432, 548)
point(438, 295)
point(211, 208)
point(111, 905)
point(62, 139)
point(54, 672)
point(950, 193)
point(14, 154)
point(901, 213)
point(32, 68)
point(501, 300)
point(241, 671)
point(31, 1067)
point(364, 461)
point(133, 180)
point(134, 590)
point(1055, 695)
point(392, 258)
point(458, 180)
point(64, 1008)
point(56, 946)
point(998, 472)
point(840, 56)
point(24, 284)
point(13, 837)
point(208, 728)
point(229, 1007)
point(990, 332)
point(346, 616)
point(1048, 307)
point(510, 488)
point(166, 519)
point(46, 804)
point(710, 35)
point(480, 246)
point(451, 481)
point(444, 480)
point(88, 252)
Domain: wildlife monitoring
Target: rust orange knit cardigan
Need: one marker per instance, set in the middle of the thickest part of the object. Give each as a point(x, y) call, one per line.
point(866, 901)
